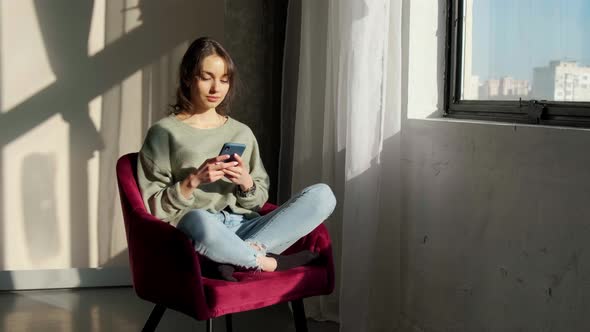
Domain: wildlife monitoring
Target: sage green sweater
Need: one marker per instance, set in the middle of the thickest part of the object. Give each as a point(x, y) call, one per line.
point(173, 149)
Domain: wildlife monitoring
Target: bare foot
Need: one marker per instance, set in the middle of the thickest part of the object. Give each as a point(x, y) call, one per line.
point(274, 262)
point(267, 264)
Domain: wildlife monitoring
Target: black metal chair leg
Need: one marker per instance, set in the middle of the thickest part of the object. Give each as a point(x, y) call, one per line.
point(228, 323)
point(209, 325)
point(154, 319)
point(299, 315)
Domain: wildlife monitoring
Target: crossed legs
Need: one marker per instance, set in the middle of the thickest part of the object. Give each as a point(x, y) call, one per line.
point(256, 243)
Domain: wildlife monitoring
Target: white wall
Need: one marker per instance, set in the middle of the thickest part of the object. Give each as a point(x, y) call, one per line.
point(80, 82)
point(495, 217)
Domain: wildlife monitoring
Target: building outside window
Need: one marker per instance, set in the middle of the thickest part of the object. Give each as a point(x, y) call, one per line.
point(519, 61)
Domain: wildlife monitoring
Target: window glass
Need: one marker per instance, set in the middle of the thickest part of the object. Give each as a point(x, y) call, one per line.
point(526, 49)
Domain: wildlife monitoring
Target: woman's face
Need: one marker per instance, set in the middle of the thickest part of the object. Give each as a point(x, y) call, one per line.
point(212, 84)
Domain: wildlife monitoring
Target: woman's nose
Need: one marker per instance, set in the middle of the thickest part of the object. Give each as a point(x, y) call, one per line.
point(214, 86)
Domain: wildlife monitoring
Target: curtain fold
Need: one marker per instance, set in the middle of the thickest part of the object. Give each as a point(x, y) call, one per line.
point(346, 132)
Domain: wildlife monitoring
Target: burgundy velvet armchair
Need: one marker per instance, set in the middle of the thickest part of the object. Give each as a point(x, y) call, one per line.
point(167, 271)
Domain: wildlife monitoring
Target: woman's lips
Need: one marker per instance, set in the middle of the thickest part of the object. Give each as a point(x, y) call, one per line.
point(212, 98)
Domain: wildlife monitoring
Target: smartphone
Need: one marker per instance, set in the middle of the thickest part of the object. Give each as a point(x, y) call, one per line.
point(231, 148)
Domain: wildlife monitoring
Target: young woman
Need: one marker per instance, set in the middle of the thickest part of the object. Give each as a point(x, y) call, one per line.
point(213, 198)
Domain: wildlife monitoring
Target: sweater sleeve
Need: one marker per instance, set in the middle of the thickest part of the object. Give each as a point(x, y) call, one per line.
point(256, 200)
point(160, 192)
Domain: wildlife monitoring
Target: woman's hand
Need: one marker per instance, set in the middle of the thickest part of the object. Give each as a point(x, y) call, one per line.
point(210, 171)
point(238, 174)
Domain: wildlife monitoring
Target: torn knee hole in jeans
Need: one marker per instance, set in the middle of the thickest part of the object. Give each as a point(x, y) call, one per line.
point(257, 246)
point(261, 252)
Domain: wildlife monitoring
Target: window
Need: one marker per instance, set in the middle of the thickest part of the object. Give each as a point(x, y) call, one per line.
point(518, 61)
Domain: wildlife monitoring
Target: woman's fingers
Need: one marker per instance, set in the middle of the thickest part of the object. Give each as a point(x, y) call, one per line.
point(214, 161)
point(216, 175)
point(226, 166)
point(221, 158)
point(236, 169)
point(238, 159)
point(215, 168)
point(232, 173)
point(221, 166)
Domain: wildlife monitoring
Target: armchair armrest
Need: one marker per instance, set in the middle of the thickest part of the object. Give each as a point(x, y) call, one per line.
point(317, 241)
point(266, 208)
point(166, 269)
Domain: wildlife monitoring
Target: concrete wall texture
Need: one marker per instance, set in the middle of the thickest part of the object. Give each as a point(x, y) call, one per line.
point(495, 217)
point(495, 227)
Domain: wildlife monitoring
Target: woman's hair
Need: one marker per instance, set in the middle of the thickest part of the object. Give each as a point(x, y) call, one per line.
point(191, 66)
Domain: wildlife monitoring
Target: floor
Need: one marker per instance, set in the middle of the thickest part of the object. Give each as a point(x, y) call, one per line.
point(119, 309)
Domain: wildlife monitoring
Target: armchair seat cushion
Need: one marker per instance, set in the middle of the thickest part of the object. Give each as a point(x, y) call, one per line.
point(260, 289)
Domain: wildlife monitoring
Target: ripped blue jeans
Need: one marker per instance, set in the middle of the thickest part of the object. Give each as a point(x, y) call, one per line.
point(229, 238)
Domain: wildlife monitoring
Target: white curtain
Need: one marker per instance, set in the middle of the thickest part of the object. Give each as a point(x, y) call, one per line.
point(346, 132)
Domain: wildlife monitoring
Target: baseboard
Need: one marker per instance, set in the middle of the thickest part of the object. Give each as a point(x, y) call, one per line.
point(64, 278)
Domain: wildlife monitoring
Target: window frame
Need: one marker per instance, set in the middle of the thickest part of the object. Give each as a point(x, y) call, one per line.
point(542, 112)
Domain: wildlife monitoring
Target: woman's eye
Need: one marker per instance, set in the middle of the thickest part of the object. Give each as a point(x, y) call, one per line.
point(225, 81)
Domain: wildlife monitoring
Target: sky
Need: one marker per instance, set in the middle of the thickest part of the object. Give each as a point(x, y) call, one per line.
point(511, 37)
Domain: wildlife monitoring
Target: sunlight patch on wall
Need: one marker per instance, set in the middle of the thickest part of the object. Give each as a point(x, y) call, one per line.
point(36, 169)
point(132, 109)
point(96, 39)
point(120, 18)
point(132, 15)
point(131, 115)
point(95, 112)
point(24, 62)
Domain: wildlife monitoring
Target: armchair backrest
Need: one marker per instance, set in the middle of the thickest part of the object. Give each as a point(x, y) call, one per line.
point(164, 265)
point(131, 199)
